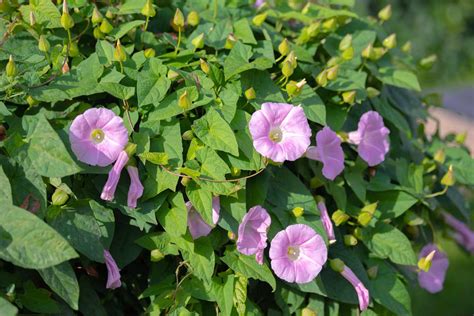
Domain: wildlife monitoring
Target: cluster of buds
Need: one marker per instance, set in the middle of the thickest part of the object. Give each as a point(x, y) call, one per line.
point(373, 53)
point(327, 75)
point(289, 64)
point(346, 48)
point(309, 32)
point(366, 214)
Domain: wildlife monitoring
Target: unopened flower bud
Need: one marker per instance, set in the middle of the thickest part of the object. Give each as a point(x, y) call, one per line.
point(294, 88)
point(428, 62)
point(149, 53)
point(43, 44)
point(348, 53)
point(204, 66)
point(308, 312)
point(332, 72)
point(368, 52)
point(250, 93)
point(350, 240)
point(337, 265)
point(184, 101)
point(390, 42)
point(148, 10)
point(349, 97)
point(284, 47)
point(461, 138)
point(378, 53)
point(32, 18)
point(230, 41)
point(339, 217)
point(358, 233)
point(178, 19)
point(73, 49)
point(96, 16)
point(364, 218)
point(59, 197)
point(333, 61)
point(372, 272)
point(97, 33)
point(297, 211)
point(31, 101)
point(424, 263)
point(259, 19)
point(322, 78)
point(315, 183)
point(313, 29)
point(198, 41)
point(231, 235)
point(330, 25)
point(172, 74)
point(65, 68)
point(412, 219)
point(292, 59)
point(345, 43)
point(386, 13)
point(287, 69)
point(156, 255)
point(235, 172)
point(448, 179)
point(131, 149)
point(372, 92)
point(10, 69)
point(67, 22)
point(185, 181)
point(440, 156)
point(106, 27)
point(119, 53)
point(188, 135)
point(193, 18)
point(406, 48)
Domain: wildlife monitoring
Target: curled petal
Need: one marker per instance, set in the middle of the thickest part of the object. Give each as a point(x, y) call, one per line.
point(252, 238)
point(113, 271)
point(359, 287)
point(136, 188)
point(329, 151)
point(108, 192)
point(327, 223)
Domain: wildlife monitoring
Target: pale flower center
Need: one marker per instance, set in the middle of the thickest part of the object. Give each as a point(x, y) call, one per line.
point(293, 252)
point(275, 134)
point(97, 136)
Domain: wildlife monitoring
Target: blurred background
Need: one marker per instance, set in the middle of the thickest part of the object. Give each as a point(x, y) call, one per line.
point(444, 29)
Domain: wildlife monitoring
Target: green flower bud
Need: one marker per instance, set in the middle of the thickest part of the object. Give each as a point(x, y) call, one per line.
point(330, 25)
point(185, 181)
point(193, 18)
point(322, 78)
point(231, 235)
point(333, 61)
point(96, 16)
point(148, 10)
point(424, 263)
point(188, 135)
point(358, 233)
point(315, 183)
point(59, 197)
point(308, 312)
point(184, 101)
point(378, 53)
point(67, 22)
point(372, 92)
point(43, 44)
point(390, 42)
point(98, 34)
point(339, 217)
point(172, 74)
point(294, 88)
point(259, 19)
point(292, 59)
point(332, 72)
point(386, 13)
point(372, 272)
point(119, 53)
point(250, 93)
point(32, 18)
point(406, 48)
point(313, 29)
point(178, 19)
point(156, 255)
point(448, 179)
point(368, 52)
point(349, 97)
point(287, 69)
point(230, 41)
point(440, 156)
point(106, 27)
point(461, 138)
point(131, 149)
point(198, 41)
point(345, 43)
point(204, 66)
point(348, 53)
point(149, 53)
point(109, 14)
point(31, 101)
point(297, 211)
point(350, 240)
point(73, 49)
point(412, 219)
point(235, 172)
point(10, 69)
point(366, 214)
point(284, 47)
point(337, 265)
point(428, 62)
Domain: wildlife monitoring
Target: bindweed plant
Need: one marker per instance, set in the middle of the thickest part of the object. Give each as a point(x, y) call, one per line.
point(207, 157)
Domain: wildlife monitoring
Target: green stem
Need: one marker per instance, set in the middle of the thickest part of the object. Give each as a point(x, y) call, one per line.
point(146, 24)
point(179, 41)
point(121, 67)
point(69, 37)
point(432, 195)
point(215, 9)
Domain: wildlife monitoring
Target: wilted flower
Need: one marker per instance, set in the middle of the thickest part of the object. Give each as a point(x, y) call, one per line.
point(462, 233)
point(328, 150)
point(298, 254)
point(136, 188)
point(252, 237)
point(371, 138)
point(433, 279)
point(327, 224)
point(113, 271)
point(98, 136)
point(110, 186)
point(362, 292)
point(280, 131)
point(197, 226)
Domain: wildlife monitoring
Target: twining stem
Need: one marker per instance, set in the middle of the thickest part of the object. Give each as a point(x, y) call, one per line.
point(432, 195)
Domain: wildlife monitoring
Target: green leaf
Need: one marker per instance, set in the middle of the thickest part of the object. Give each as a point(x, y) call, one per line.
point(238, 61)
point(392, 203)
point(48, 153)
point(152, 83)
point(174, 219)
point(5, 189)
point(247, 266)
point(38, 300)
point(215, 132)
point(117, 90)
point(200, 255)
point(400, 78)
point(211, 164)
point(155, 158)
point(386, 241)
point(124, 28)
point(201, 199)
point(7, 309)
point(223, 289)
point(355, 179)
point(266, 90)
point(312, 105)
point(46, 13)
point(348, 79)
point(243, 32)
point(62, 280)
point(28, 242)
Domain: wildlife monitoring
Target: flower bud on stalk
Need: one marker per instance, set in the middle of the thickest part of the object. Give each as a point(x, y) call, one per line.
point(368, 52)
point(250, 94)
point(428, 62)
point(284, 47)
point(297, 211)
point(119, 53)
point(366, 214)
point(32, 18)
point(350, 240)
point(178, 19)
point(59, 197)
point(332, 72)
point(193, 18)
point(198, 41)
point(184, 101)
point(406, 48)
point(322, 78)
point(386, 13)
point(204, 66)
point(156, 255)
point(43, 44)
point(287, 69)
point(345, 43)
point(67, 22)
point(149, 53)
point(259, 19)
point(339, 217)
point(348, 53)
point(329, 25)
point(235, 172)
point(98, 34)
point(440, 156)
point(109, 14)
point(105, 27)
point(148, 10)
point(448, 179)
point(294, 88)
point(390, 42)
point(461, 138)
point(349, 97)
point(230, 41)
point(96, 16)
point(10, 69)
point(372, 92)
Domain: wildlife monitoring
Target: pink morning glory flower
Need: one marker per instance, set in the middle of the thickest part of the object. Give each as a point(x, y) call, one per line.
point(280, 131)
point(462, 233)
point(252, 239)
point(110, 186)
point(98, 136)
point(259, 3)
point(359, 287)
point(433, 279)
point(113, 271)
point(327, 224)
point(298, 254)
point(197, 226)
point(135, 190)
point(329, 151)
point(371, 138)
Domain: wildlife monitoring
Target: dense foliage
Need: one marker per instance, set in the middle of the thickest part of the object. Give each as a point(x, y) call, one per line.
point(187, 77)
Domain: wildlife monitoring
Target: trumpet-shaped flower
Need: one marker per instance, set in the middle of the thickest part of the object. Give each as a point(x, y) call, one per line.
point(197, 226)
point(108, 192)
point(328, 150)
point(113, 271)
point(98, 136)
point(136, 188)
point(298, 254)
point(362, 292)
point(371, 138)
point(433, 279)
point(462, 233)
point(280, 131)
point(252, 239)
